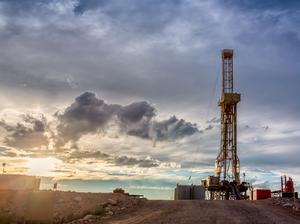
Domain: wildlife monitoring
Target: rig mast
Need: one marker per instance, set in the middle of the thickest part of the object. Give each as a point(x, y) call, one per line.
point(226, 184)
point(227, 164)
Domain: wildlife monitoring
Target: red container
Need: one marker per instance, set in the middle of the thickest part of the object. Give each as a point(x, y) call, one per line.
point(260, 194)
point(289, 187)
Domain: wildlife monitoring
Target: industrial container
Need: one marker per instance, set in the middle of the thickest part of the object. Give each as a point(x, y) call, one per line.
point(189, 192)
point(259, 194)
point(198, 192)
point(182, 192)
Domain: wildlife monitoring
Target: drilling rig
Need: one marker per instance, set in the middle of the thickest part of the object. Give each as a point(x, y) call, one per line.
point(226, 184)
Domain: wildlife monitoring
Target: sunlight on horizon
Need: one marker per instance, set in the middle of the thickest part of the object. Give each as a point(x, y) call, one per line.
point(42, 166)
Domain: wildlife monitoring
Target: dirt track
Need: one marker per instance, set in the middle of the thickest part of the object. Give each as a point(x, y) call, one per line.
point(179, 212)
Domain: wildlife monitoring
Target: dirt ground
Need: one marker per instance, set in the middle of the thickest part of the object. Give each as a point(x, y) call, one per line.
point(185, 212)
point(109, 208)
point(61, 207)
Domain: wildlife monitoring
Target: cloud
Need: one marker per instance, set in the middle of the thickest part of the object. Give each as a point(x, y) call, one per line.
point(90, 115)
point(135, 118)
point(129, 161)
point(87, 114)
point(82, 6)
point(135, 112)
point(262, 5)
point(209, 127)
point(84, 154)
point(173, 128)
point(262, 185)
point(7, 152)
point(95, 156)
point(214, 120)
point(132, 13)
point(29, 133)
point(17, 6)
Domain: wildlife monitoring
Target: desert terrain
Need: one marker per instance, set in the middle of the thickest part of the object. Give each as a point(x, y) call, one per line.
point(115, 208)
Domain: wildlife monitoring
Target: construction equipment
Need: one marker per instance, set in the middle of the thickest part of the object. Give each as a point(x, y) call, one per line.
point(287, 189)
point(225, 184)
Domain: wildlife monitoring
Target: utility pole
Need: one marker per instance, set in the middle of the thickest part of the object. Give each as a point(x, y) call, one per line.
point(3, 167)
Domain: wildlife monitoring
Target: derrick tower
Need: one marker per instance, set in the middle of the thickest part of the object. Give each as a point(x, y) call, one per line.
point(227, 165)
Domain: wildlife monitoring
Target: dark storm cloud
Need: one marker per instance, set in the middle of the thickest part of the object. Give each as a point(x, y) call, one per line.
point(89, 115)
point(29, 133)
point(135, 118)
point(130, 161)
point(173, 128)
point(83, 6)
point(135, 112)
point(15, 6)
point(57, 42)
point(262, 5)
point(134, 12)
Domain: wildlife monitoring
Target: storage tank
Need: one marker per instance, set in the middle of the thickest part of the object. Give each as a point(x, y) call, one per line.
point(198, 193)
point(289, 187)
point(189, 192)
point(182, 192)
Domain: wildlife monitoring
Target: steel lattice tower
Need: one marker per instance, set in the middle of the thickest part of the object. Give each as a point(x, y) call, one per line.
point(227, 166)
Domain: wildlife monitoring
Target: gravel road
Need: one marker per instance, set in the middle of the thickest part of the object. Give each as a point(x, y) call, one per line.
point(181, 212)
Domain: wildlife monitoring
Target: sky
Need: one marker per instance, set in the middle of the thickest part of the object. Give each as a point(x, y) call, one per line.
point(99, 94)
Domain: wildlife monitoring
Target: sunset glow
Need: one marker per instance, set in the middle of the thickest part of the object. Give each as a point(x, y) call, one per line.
point(42, 166)
point(124, 93)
